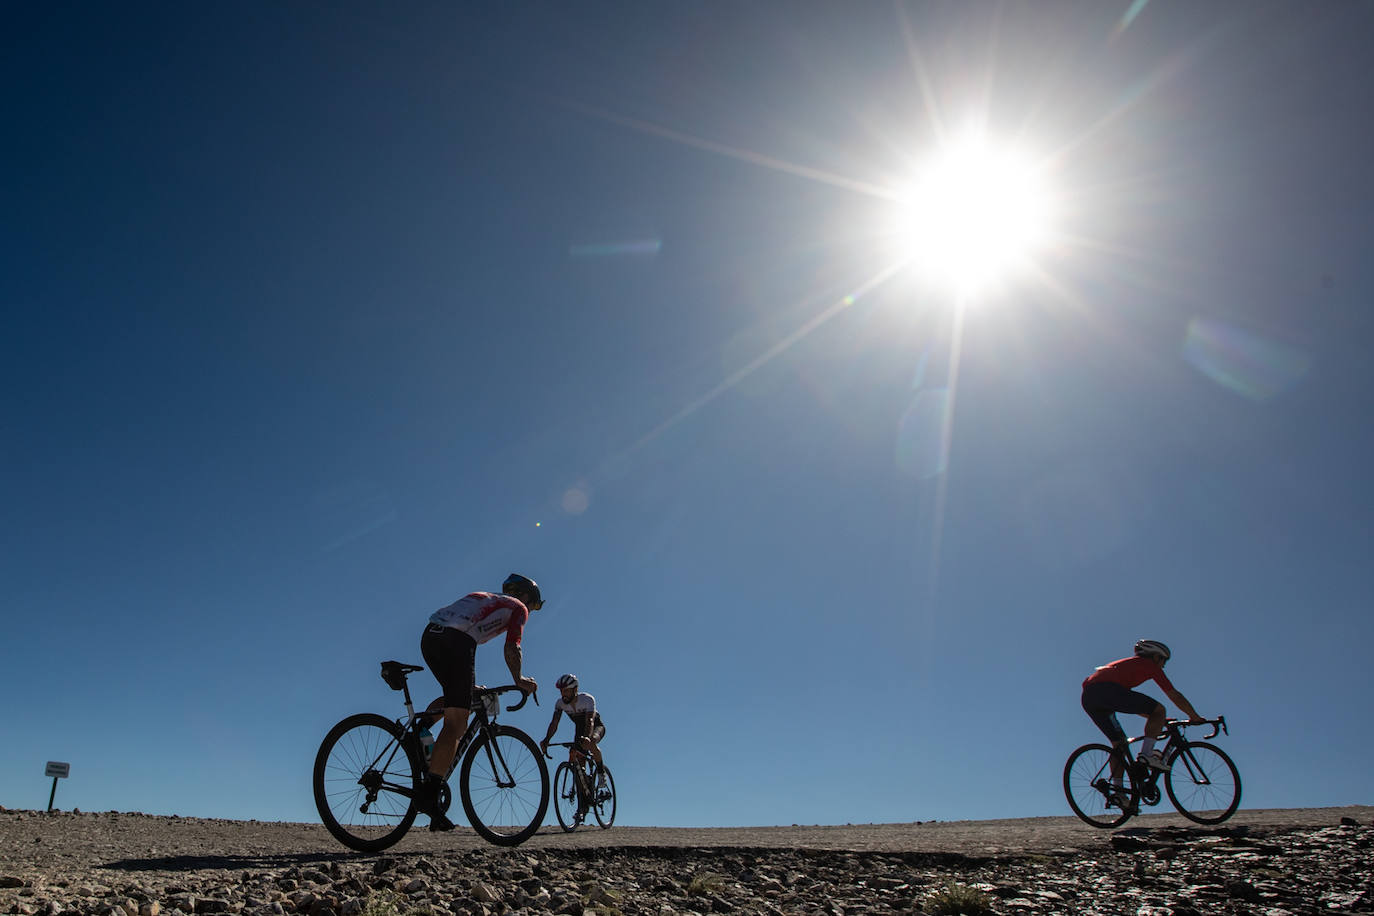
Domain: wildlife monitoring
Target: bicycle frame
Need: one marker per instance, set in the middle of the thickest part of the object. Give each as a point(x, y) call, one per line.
point(592, 789)
point(370, 778)
point(1176, 746)
point(481, 721)
point(1202, 782)
point(1174, 738)
point(584, 769)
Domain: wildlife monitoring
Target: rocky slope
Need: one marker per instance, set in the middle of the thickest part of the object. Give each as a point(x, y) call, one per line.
point(134, 865)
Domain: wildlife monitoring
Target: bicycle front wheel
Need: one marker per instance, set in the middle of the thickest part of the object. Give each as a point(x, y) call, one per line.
point(565, 796)
point(365, 780)
point(1088, 787)
point(1203, 783)
point(604, 806)
point(505, 786)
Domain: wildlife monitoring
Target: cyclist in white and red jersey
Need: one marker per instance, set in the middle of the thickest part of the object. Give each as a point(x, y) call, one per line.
point(449, 646)
point(1109, 690)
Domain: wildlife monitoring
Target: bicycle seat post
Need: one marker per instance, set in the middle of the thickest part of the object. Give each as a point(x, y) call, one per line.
point(395, 675)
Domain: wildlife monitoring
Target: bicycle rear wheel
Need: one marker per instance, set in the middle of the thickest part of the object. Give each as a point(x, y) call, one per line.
point(1087, 786)
point(565, 797)
point(1203, 783)
point(604, 800)
point(364, 781)
point(505, 786)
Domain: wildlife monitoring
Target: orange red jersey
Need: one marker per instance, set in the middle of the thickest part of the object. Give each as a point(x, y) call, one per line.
point(1130, 672)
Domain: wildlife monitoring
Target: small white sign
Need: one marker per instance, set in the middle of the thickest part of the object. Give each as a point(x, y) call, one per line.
point(58, 769)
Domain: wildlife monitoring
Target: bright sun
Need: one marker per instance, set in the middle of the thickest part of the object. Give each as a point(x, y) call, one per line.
point(974, 215)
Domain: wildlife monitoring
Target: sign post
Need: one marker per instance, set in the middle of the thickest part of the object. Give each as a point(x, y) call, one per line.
point(57, 770)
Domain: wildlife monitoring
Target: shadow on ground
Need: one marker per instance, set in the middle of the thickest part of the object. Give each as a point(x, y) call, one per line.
point(201, 863)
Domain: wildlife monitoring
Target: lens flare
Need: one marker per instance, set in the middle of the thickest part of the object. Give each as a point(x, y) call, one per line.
point(922, 434)
point(1243, 361)
point(576, 500)
point(641, 248)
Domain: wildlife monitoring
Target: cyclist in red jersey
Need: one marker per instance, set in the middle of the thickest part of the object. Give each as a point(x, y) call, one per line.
point(1108, 690)
point(449, 646)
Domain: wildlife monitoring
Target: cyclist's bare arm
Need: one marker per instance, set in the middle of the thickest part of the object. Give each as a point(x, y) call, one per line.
point(1182, 703)
point(553, 727)
point(513, 662)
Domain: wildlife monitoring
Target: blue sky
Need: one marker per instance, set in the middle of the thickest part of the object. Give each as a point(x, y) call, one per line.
point(317, 319)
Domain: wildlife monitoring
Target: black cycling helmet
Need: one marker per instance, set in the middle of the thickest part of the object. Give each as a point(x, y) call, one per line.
point(524, 588)
point(1152, 647)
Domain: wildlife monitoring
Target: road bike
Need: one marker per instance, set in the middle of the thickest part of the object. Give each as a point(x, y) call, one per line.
point(577, 788)
point(1202, 782)
point(368, 771)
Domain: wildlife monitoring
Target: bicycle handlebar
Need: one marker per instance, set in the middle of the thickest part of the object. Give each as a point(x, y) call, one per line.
point(558, 744)
point(507, 688)
point(1218, 726)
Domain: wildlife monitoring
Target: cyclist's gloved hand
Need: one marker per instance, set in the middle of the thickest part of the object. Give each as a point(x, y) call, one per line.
point(527, 684)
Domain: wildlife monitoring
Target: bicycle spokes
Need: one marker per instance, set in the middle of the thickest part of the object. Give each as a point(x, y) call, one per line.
point(369, 768)
point(363, 782)
point(504, 786)
point(1204, 784)
point(1097, 795)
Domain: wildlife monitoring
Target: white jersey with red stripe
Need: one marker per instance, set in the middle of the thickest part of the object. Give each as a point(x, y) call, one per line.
point(583, 706)
point(483, 616)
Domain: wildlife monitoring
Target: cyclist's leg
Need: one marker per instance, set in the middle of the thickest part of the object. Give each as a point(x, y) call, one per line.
point(1122, 745)
point(451, 656)
point(594, 740)
point(446, 742)
point(434, 713)
point(576, 756)
point(1148, 708)
point(1100, 702)
point(1154, 724)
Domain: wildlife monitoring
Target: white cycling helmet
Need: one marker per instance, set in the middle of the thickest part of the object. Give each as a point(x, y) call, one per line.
point(1152, 647)
point(566, 681)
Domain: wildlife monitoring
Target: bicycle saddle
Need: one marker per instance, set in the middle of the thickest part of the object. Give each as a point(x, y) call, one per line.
point(394, 673)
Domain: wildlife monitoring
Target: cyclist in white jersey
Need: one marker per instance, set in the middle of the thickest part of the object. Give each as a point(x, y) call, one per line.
point(449, 646)
point(581, 708)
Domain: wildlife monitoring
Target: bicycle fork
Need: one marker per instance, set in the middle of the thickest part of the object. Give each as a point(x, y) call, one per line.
point(493, 756)
point(1195, 772)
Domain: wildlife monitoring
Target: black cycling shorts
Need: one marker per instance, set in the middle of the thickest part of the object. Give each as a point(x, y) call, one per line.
point(451, 656)
point(1103, 700)
point(584, 727)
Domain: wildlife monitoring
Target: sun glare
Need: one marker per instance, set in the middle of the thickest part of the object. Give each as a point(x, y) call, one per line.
point(973, 215)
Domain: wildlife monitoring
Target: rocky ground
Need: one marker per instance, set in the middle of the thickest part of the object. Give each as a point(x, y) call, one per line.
point(1271, 863)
